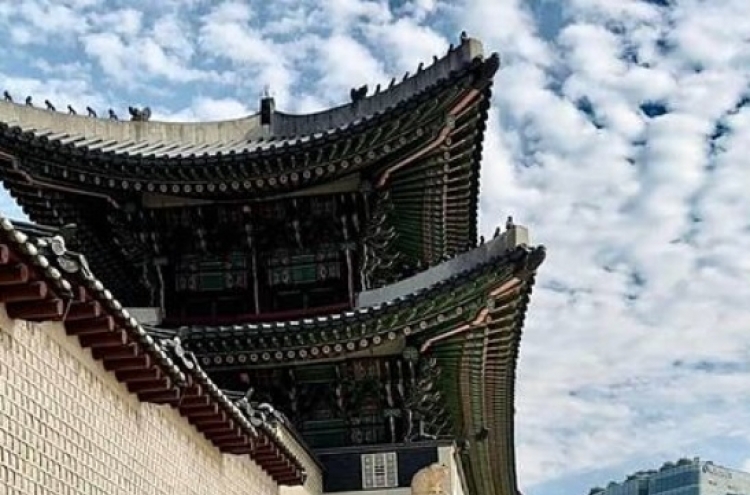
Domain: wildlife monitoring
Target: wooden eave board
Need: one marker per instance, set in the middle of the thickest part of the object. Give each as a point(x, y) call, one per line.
point(446, 305)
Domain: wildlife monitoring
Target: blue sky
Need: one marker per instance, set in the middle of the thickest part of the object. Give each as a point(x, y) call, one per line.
point(618, 134)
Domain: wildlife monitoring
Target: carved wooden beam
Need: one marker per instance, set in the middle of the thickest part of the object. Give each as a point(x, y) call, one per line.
point(271, 456)
point(245, 449)
point(171, 396)
point(92, 326)
point(84, 311)
point(278, 464)
point(14, 274)
point(51, 309)
point(262, 455)
point(158, 385)
point(264, 445)
point(209, 410)
point(194, 390)
point(134, 363)
point(139, 375)
point(4, 253)
point(124, 352)
point(33, 291)
point(217, 430)
point(80, 294)
point(219, 419)
point(281, 471)
point(194, 402)
point(240, 442)
point(189, 381)
point(118, 338)
point(229, 435)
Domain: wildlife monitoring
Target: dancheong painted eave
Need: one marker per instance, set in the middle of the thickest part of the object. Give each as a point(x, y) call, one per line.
point(467, 314)
point(416, 145)
point(447, 296)
point(41, 281)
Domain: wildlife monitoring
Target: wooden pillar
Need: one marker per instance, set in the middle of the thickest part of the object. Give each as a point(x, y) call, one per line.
point(350, 275)
point(256, 285)
point(349, 261)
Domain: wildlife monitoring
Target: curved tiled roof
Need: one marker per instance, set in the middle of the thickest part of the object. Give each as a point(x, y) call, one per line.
point(426, 308)
point(470, 321)
point(419, 141)
point(426, 120)
point(167, 140)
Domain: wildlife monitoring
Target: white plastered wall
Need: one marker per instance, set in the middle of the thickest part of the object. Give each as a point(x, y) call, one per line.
point(68, 427)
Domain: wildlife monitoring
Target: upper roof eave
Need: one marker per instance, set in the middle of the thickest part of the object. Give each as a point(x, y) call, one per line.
point(239, 135)
point(330, 334)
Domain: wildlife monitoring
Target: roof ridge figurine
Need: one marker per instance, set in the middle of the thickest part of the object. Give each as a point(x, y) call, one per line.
point(139, 114)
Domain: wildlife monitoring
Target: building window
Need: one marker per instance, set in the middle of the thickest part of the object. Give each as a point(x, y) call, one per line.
point(379, 470)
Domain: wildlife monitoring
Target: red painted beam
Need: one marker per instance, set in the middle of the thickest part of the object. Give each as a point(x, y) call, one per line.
point(159, 385)
point(193, 402)
point(90, 326)
point(139, 375)
point(110, 354)
point(245, 449)
point(227, 444)
point(194, 390)
point(14, 274)
point(269, 460)
point(134, 363)
point(33, 291)
point(4, 254)
point(220, 419)
point(217, 429)
point(201, 412)
point(171, 396)
point(84, 311)
point(110, 339)
point(227, 436)
point(50, 309)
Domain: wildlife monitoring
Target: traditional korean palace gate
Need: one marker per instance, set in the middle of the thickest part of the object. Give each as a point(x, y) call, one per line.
point(323, 270)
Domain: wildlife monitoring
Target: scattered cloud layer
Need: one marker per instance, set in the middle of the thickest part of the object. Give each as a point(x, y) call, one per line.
point(618, 133)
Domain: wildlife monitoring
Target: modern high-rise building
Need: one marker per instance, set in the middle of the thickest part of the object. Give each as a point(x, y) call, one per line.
point(685, 477)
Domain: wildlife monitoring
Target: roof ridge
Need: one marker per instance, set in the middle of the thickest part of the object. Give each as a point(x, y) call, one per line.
point(249, 127)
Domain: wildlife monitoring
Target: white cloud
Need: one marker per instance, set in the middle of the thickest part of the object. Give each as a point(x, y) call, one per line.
point(133, 61)
point(409, 42)
point(127, 22)
point(346, 15)
point(225, 108)
point(347, 63)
